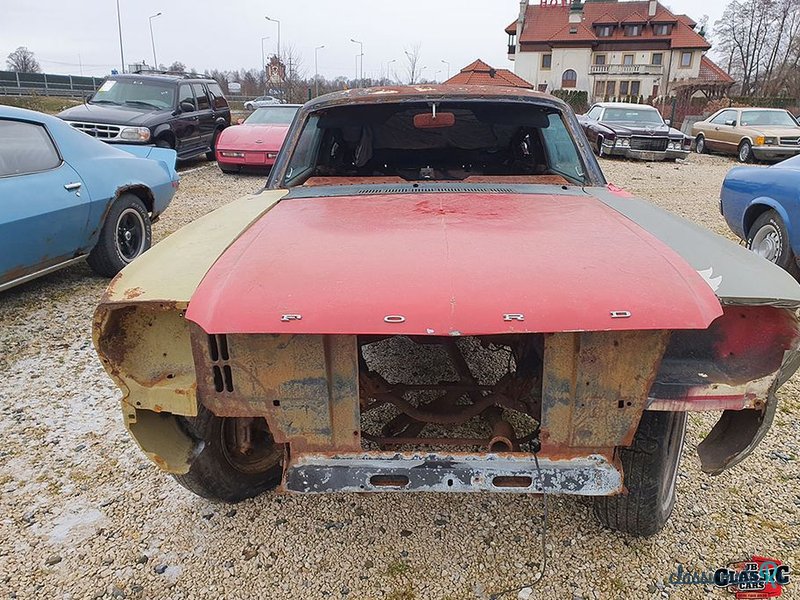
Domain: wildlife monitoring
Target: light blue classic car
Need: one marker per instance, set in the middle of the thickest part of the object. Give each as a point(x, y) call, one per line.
point(762, 206)
point(66, 197)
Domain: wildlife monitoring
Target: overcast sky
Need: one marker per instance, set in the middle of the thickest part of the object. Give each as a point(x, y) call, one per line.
point(227, 35)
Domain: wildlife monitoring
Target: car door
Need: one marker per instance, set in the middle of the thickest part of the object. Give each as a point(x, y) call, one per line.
point(187, 122)
point(44, 204)
point(591, 123)
point(719, 131)
point(205, 114)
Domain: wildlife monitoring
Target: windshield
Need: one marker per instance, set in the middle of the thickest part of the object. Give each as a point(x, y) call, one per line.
point(135, 92)
point(633, 115)
point(274, 115)
point(465, 141)
point(775, 118)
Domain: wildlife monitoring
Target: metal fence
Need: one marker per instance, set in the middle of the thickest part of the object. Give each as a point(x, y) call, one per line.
point(13, 83)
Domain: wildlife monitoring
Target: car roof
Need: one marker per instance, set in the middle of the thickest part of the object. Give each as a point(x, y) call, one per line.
point(280, 106)
point(173, 77)
point(624, 105)
point(429, 93)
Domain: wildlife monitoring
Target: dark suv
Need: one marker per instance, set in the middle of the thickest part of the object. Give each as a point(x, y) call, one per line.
point(172, 111)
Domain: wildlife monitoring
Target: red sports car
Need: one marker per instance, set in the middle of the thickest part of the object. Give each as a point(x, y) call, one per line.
point(257, 141)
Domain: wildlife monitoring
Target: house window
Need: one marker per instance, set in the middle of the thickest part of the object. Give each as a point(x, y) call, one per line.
point(569, 79)
point(655, 90)
point(599, 59)
point(542, 87)
point(605, 30)
point(686, 59)
point(635, 88)
point(657, 58)
point(611, 88)
point(661, 29)
point(633, 30)
point(547, 60)
point(623, 88)
point(627, 59)
point(599, 88)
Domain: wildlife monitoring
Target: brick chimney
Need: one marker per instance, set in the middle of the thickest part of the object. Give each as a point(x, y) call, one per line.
point(652, 7)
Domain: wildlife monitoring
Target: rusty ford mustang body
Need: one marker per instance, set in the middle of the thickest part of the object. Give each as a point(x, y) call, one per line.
point(438, 291)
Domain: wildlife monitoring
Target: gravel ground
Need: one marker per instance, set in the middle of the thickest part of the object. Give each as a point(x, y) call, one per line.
point(84, 515)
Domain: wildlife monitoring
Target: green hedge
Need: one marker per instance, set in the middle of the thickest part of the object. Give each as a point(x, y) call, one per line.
point(577, 99)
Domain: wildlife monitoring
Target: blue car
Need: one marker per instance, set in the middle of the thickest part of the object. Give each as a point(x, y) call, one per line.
point(762, 207)
point(67, 197)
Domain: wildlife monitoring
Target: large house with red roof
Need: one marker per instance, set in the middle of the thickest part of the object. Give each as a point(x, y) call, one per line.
point(608, 48)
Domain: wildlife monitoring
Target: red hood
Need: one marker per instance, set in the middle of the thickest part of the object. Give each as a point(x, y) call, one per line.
point(450, 264)
point(264, 138)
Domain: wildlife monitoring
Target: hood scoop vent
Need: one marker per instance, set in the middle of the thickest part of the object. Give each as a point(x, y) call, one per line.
point(459, 189)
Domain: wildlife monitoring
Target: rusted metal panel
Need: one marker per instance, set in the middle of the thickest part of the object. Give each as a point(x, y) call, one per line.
point(595, 386)
point(145, 348)
point(161, 438)
point(305, 386)
point(589, 475)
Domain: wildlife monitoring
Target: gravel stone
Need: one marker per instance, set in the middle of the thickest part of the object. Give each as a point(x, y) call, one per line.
point(55, 397)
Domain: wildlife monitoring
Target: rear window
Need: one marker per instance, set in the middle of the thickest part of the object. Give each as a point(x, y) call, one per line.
point(217, 97)
point(26, 148)
point(274, 115)
point(462, 140)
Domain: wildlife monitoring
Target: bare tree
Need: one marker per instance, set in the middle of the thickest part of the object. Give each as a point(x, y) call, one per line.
point(177, 67)
point(23, 60)
point(412, 62)
point(759, 42)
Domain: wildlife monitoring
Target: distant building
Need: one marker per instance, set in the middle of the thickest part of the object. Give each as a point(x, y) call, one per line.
point(479, 73)
point(609, 49)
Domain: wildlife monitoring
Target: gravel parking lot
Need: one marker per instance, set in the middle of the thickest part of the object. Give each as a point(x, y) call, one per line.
point(83, 514)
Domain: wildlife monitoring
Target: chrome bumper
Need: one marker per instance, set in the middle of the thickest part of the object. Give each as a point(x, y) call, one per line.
point(775, 152)
point(627, 152)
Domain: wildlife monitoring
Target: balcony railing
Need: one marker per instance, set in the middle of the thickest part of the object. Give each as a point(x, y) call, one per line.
point(626, 70)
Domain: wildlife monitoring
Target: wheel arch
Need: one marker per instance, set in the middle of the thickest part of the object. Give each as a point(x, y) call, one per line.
point(142, 192)
point(164, 132)
point(758, 207)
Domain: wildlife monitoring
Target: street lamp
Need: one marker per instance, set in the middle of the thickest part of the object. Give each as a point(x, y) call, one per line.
point(316, 69)
point(361, 55)
point(279, 35)
point(394, 60)
point(119, 27)
point(448, 67)
point(153, 40)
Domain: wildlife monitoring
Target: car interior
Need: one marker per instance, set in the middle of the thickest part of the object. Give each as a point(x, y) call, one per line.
point(404, 142)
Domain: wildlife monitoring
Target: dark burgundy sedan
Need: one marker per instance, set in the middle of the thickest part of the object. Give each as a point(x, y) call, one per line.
point(633, 131)
point(256, 141)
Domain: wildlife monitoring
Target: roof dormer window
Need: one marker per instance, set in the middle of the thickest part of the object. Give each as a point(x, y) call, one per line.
point(661, 29)
point(605, 30)
point(573, 29)
point(633, 30)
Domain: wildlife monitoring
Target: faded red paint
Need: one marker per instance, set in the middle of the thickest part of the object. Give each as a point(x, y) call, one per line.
point(450, 264)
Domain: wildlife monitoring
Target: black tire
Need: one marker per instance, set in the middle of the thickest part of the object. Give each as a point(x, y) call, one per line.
point(212, 154)
point(745, 152)
point(126, 235)
point(771, 240)
point(222, 473)
point(162, 143)
point(700, 144)
point(650, 471)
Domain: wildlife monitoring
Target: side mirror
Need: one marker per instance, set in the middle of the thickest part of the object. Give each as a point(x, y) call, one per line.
point(88, 97)
point(668, 122)
point(186, 106)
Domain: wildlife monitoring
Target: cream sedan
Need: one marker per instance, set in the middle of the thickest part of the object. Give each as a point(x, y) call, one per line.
point(749, 133)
